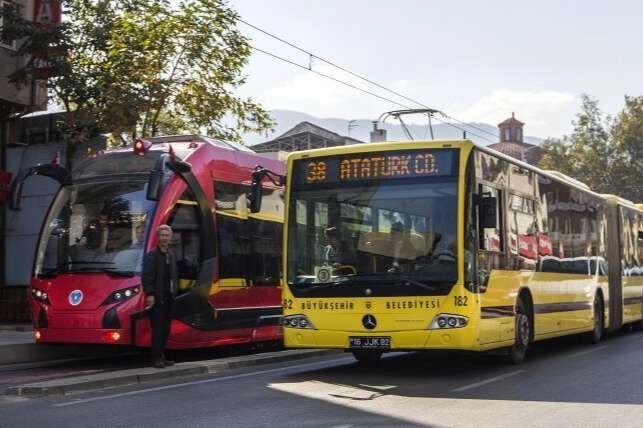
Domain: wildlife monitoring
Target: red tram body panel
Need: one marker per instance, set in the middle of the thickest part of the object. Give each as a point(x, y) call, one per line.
point(86, 286)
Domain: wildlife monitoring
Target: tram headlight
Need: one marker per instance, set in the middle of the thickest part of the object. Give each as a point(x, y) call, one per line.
point(40, 296)
point(442, 321)
point(297, 321)
point(122, 295)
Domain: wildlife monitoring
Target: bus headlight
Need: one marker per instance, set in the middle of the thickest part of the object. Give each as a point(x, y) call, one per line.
point(442, 321)
point(40, 296)
point(122, 295)
point(297, 321)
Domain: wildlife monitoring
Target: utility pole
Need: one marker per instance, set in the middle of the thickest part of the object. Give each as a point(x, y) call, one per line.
point(351, 125)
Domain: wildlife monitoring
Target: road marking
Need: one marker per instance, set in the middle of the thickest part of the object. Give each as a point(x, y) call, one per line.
point(485, 382)
point(588, 351)
point(198, 382)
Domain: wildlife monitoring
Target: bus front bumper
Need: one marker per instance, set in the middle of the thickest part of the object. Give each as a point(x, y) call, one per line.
point(455, 338)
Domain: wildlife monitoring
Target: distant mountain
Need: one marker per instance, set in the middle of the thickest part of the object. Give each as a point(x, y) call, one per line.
point(361, 128)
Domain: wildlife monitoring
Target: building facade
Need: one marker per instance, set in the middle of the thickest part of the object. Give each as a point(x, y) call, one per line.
point(512, 142)
point(304, 136)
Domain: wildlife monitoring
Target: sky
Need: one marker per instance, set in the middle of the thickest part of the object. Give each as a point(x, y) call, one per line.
point(478, 61)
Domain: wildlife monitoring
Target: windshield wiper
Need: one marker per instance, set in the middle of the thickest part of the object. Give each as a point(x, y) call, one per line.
point(61, 268)
point(110, 271)
point(307, 287)
point(408, 281)
point(367, 279)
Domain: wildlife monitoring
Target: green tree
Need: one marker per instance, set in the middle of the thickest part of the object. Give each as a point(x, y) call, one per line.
point(588, 153)
point(555, 155)
point(140, 67)
point(627, 135)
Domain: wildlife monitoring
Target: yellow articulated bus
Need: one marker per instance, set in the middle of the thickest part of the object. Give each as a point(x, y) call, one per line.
point(450, 245)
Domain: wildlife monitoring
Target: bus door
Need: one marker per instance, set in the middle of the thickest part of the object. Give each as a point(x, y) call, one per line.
point(615, 256)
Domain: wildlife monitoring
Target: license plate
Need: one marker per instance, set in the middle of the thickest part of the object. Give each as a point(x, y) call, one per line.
point(369, 342)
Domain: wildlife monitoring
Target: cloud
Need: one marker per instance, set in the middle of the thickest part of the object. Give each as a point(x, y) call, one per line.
point(322, 97)
point(545, 113)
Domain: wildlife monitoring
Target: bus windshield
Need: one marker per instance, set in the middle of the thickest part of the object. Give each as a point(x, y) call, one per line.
point(96, 227)
point(385, 237)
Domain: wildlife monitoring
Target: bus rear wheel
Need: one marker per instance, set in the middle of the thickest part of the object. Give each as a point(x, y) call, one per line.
point(516, 353)
point(367, 358)
point(596, 334)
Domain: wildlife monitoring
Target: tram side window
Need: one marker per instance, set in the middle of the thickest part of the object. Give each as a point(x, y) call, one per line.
point(230, 196)
point(264, 265)
point(186, 243)
point(234, 246)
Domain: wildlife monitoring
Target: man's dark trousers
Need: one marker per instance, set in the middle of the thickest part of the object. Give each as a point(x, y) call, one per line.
point(161, 319)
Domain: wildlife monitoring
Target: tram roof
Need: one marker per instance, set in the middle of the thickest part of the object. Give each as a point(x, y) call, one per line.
point(193, 138)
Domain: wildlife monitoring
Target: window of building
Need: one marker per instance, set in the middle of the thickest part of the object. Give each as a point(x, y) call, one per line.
point(5, 40)
point(507, 134)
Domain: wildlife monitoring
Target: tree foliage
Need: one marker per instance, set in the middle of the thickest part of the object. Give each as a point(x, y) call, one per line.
point(140, 67)
point(604, 153)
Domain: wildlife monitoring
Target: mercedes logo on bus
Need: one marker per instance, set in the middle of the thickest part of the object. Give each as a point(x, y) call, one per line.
point(369, 322)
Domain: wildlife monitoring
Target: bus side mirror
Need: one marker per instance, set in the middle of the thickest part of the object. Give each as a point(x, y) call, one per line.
point(255, 195)
point(488, 212)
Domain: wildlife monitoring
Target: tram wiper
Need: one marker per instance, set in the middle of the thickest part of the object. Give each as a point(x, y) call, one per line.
point(108, 270)
point(62, 267)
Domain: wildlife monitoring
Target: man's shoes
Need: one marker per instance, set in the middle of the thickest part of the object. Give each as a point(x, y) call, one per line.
point(158, 363)
point(168, 362)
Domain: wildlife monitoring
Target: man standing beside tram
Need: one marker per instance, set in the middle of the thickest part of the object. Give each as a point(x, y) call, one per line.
point(160, 284)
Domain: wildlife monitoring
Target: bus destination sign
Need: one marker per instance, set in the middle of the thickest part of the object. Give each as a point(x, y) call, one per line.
point(376, 166)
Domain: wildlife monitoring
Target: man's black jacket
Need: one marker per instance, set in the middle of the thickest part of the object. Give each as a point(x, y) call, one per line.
point(153, 284)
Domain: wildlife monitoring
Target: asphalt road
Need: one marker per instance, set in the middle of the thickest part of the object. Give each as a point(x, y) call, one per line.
point(563, 383)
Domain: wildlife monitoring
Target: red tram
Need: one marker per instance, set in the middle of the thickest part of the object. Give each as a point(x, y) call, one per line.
point(86, 285)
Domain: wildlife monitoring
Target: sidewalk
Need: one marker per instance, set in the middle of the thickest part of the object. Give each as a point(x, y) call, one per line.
point(113, 379)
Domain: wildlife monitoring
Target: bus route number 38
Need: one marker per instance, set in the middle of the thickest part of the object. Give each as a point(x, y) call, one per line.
point(316, 172)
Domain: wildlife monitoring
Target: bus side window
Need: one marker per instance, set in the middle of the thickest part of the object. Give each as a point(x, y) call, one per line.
point(490, 235)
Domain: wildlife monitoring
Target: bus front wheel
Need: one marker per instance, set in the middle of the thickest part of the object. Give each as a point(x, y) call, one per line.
point(516, 353)
point(367, 358)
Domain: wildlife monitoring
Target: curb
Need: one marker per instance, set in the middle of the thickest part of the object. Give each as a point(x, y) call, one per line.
point(28, 353)
point(16, 327)
point(71, 385)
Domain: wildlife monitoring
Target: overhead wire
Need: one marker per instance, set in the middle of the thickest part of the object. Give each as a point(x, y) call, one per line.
point(309, 68)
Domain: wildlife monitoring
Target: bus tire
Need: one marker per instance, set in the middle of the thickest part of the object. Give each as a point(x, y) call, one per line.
point(516, 353)
point(367, 358)
point(596, 334)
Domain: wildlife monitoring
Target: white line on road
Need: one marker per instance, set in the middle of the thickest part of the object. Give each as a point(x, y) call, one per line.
point(198, 382)
point(588, 351)
point(484, 382)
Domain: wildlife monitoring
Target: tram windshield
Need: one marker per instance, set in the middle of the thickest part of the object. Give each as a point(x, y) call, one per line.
point(96, 227)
